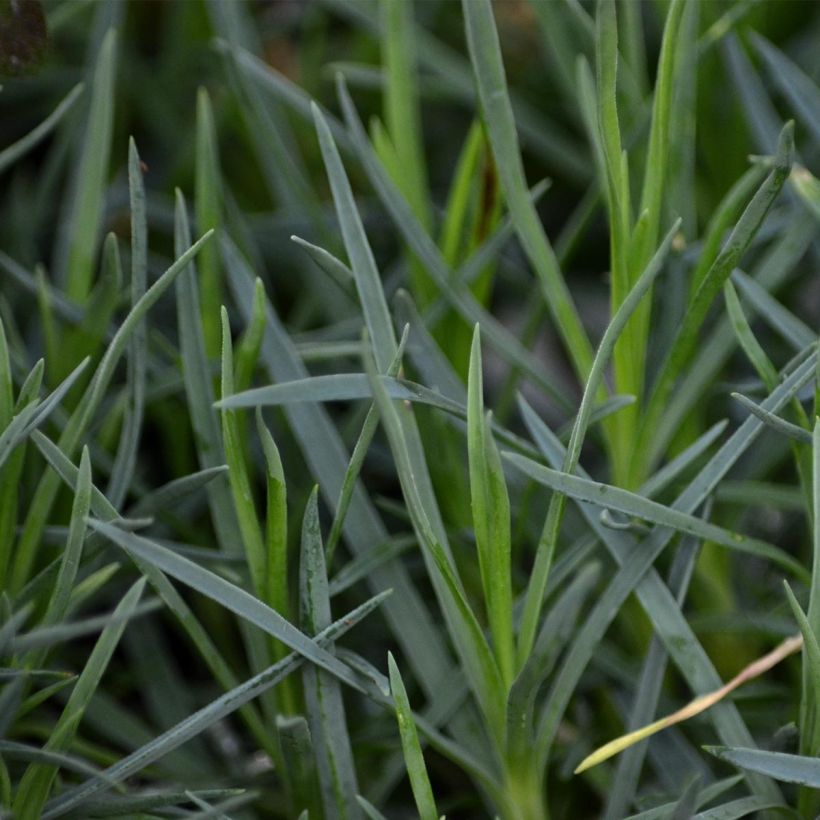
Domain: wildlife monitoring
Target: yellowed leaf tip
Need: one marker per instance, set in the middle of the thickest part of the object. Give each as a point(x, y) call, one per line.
point(618, 745)
point(700, 704)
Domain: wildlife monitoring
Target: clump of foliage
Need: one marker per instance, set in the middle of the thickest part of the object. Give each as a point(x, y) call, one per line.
point(346, 470)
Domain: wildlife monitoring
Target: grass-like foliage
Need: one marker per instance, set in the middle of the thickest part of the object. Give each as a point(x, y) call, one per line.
point(409, 409)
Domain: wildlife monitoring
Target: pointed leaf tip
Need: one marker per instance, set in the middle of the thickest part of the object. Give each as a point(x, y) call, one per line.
point(785, 148)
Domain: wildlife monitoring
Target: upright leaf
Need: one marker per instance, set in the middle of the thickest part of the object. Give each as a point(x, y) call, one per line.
point(323, 696)
point(413, 757)
point(208, 202)
point(92, 175)
point(491, 518)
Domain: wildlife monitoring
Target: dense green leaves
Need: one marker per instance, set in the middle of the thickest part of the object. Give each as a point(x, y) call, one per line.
point(480, 208)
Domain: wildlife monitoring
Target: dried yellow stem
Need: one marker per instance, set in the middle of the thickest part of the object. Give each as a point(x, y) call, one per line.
point(695, 707)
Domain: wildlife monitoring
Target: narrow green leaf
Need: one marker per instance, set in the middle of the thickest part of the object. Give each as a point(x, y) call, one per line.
point(297, 752)
point(362, 263)
point(244, 506)
point(30, 388)
point(49, 326)
point(70, 475)
point(48, 636)
point(458, 199)
point(682, 131)
point(336, 387)
point(403, 119)
point(50, 403)
point(608, 139)
point(247, 356)
point(742, 807)
point(6, 388)
point(810, 696)
point(413, 757)
point(209, 811)
point(669, 472)
point(685, 807)
point(776, 423)
point(785, 767)
point(801, 91)
point(363, 564)
point(357, 457)
point(556, 629)
point(7, 673)
point(796, 332)
point(276, 530)
point(724, 24)
point(197, 377)
point(169, 495)
point(377, 317)
point(208, 216)
point(10, 473)
point(125, 460)
point(759, 111)
point(58, 760)
point(656, 173)
point(70, 562)
point(10, 155)
point(331, 265)
point(374, 306)
point(89, 586)
point(401, 112)
point(491, 518)
point(762, 493)
point(127, 805)
point(323, 696)
point(485, 240)
point(13, 621)
point(748, 342)
point(599, 413)
point(41, 696)
point(95, 326)
point(438, 741)
point(30, 417)
point(614, 498)
point(809, 625)
point(369, 809)
point(92, 175)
